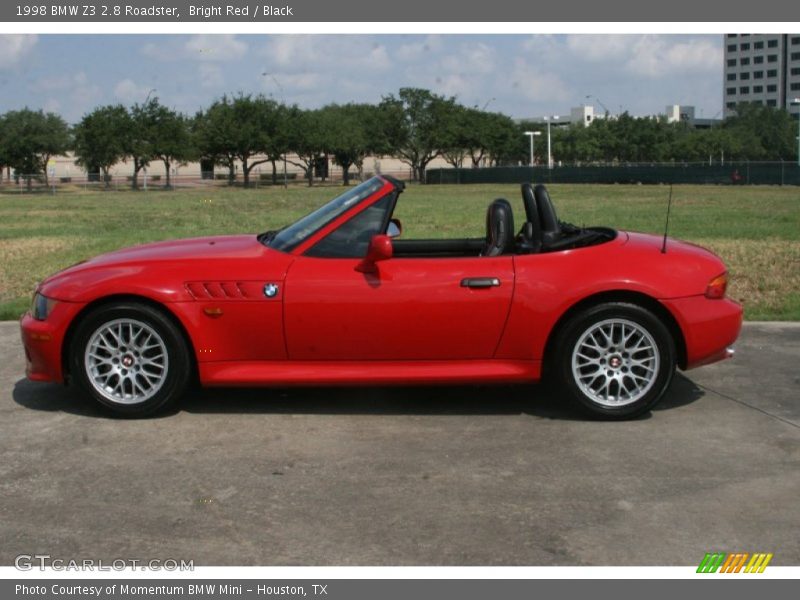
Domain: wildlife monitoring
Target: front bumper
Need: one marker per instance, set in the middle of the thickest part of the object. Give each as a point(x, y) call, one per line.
point(710, 327)
point(43, 341)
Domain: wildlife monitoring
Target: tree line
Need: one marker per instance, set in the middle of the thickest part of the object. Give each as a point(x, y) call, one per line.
point(755, 132)
point(415, 126)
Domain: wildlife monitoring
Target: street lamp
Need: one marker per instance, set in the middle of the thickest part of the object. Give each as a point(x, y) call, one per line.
point(549, 152)
point(283, 103)
point(796, 102)
point(532, 134)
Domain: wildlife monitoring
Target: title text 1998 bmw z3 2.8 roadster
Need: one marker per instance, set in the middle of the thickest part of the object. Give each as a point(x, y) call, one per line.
point(340, 298)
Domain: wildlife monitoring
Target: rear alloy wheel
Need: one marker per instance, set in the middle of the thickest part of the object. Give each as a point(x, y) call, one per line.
point(616, 359)
point(130, 358)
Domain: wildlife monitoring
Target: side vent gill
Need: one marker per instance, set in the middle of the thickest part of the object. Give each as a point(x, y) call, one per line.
point(225, 290)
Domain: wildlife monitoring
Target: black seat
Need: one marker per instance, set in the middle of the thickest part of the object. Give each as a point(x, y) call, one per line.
point(551, 230)
point(499, 229)
point(529, 239)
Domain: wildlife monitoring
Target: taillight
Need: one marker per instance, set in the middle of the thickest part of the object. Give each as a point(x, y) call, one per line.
point(717, 286)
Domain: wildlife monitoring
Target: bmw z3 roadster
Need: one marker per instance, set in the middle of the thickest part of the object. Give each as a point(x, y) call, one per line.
point(342, 298)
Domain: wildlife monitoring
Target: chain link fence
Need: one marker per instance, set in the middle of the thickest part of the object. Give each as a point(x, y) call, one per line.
point(39, 184)
point(728, 173)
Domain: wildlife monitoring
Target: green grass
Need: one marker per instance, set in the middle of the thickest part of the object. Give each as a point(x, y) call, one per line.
point(755, 229)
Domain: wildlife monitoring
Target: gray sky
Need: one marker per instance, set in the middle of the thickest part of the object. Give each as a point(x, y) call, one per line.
point(518, 75)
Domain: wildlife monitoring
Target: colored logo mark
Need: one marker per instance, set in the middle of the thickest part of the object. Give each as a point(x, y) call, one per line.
point(734, 562)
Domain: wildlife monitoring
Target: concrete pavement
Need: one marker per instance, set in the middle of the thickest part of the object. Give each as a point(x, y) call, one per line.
point(425, 476)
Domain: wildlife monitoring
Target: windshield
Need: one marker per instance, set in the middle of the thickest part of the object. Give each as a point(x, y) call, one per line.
point(289, 237)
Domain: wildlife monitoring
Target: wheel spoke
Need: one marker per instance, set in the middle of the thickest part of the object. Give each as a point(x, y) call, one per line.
point(100, 359)
point(624, 386)
point(136, 386)
point(150, 377)
point(644, 364)
point(106, 343)
point(104, 377)
point(145, 345)
point(589, 359)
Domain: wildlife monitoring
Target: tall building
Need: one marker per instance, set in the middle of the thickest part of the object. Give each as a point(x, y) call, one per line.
point(762, 68)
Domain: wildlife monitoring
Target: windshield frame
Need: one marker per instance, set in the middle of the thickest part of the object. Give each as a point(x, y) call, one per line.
point(301, 234)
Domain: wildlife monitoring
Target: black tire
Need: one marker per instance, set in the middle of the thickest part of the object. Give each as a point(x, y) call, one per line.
point(613, 364)
point(170, 344)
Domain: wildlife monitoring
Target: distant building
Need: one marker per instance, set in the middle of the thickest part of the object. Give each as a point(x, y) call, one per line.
point(761, 68)
point(585, 115)
point(678, 113)
point(580, 115)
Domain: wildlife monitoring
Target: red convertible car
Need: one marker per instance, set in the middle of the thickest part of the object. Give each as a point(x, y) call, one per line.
point(341, 298)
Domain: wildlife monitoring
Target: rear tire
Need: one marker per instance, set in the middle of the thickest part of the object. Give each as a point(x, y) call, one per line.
point(130, 358)
point(615, 359)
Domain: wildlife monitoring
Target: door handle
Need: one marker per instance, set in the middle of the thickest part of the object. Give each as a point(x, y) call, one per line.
point(480, 282)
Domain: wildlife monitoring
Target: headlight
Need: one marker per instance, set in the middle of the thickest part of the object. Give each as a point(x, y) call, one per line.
point(41, 307)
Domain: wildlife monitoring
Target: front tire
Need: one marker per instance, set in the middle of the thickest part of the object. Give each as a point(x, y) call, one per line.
point(615, 359)
point(130, 358)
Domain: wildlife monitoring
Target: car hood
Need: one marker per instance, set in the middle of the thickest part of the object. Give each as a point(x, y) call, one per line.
point(166, 263)
point(201, 248)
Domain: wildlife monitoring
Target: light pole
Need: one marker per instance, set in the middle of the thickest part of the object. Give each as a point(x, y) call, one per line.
point(796, 102)
point(144, 107)
point(283, 103)
point(532, 134)
point(549, 152)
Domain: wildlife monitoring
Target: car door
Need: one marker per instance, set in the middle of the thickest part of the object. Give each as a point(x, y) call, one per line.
point(451, 308)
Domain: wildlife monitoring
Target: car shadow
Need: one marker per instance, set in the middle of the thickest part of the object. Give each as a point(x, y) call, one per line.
point(541, 400)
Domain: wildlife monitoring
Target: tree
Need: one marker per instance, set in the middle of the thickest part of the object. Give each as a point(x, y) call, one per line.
point(769, 131)
point(500, 138)
point(421, 126)
point(278, 140)
point(461, 131)
point(155, 132)
point(30, 138)
point(351, 132)
point(256, 123)
point(575, 143)
point(3, 155)
point(100, 139)
point(172, 141)
point(139, 136)
point(242, 128)
point(213, 132)
point(307, 138)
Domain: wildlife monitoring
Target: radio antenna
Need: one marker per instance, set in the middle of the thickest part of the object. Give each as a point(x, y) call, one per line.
point(666, 225)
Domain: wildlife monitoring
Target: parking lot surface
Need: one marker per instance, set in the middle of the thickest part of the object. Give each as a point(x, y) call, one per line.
point(489, 475)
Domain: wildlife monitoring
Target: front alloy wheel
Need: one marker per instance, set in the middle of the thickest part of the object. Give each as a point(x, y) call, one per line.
point(131, 358)
point(127, 361)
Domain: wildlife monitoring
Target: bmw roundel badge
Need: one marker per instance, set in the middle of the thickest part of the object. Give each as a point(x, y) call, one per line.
point(271, 290)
